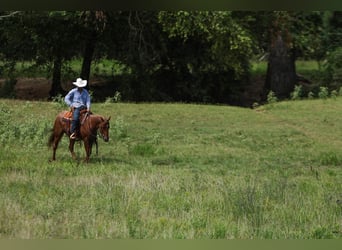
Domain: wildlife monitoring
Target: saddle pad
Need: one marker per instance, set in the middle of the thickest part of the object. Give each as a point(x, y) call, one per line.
point(68, 115)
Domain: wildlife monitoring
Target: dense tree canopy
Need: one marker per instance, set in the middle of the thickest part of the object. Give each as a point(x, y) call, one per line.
point(193, 56)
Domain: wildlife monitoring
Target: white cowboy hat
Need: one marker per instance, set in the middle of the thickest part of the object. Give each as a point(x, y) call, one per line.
point(80, 83)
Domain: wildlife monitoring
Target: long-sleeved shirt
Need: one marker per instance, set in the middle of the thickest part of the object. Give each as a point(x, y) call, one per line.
point(77, 99)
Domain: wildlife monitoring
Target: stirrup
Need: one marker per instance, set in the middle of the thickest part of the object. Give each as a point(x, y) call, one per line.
point(73, 136)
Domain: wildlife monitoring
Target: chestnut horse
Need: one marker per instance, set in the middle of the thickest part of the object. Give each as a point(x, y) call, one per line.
point(89, 126)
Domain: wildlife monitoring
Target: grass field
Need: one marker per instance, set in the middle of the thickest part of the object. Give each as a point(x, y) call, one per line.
point(176, 171)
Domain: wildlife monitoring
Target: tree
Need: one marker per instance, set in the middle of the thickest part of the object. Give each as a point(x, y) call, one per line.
point(211, 50)
point(282, 37)
point(57, 38)
point(281, 71)
point(48, 38)
point(17, 42)
point(94, 23)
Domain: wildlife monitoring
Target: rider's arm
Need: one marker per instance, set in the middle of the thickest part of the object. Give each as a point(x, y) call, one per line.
point(68, 98)
point(88, 101)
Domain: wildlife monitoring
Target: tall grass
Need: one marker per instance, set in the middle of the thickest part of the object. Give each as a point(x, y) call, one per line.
point(176, 171)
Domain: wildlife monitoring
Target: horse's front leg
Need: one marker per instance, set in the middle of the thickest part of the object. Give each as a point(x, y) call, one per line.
point(87, 146)
point(71, 148)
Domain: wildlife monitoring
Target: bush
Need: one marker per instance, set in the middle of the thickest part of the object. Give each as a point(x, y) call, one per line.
point(333, 68)
point(8, 89)
point(323, 93)
point(271, 97)
point(311, 95)
point(297, 93)
point(120, 128)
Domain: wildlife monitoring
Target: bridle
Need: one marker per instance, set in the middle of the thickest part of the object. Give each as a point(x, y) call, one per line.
point(104, 126)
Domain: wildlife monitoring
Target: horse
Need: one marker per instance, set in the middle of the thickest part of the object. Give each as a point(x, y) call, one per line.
point(90, 124)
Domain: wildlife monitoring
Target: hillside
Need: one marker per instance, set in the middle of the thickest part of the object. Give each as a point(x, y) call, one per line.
point(176, 171)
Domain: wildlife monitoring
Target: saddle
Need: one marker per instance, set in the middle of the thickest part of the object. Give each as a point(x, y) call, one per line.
point(67, 118)
point(68, 115)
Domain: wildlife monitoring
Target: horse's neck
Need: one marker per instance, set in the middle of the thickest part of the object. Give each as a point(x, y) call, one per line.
point(96, 120)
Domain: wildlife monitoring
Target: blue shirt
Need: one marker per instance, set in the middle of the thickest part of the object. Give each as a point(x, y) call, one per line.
point(77, 99)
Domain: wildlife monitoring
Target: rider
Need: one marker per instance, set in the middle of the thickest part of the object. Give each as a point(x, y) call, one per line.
point(77, 99)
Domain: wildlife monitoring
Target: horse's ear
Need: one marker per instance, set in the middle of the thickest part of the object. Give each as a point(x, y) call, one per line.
point(108, 118)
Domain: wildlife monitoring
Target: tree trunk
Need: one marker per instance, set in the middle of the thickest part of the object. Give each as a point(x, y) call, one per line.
point(56, 87)
point(281, 70)
point(88, 55)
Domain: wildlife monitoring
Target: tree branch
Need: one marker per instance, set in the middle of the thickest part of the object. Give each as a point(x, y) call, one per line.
point(9, 15)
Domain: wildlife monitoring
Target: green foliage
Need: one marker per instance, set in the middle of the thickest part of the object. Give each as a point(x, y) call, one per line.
point(323, 93)
point(334, 94)
point(190, 56)
point(120, 128)
point(27, 133)
point(59, 101)
point(271, 98)
point(229, 44)
point(333, 68)
point(311, 95)
point(115, 99)
point(297, 93)
point(310, 33)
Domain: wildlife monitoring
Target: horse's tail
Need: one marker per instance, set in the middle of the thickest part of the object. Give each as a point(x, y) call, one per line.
point(52, 135)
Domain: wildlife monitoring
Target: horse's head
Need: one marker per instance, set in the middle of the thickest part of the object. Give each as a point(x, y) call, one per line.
point(104, 129)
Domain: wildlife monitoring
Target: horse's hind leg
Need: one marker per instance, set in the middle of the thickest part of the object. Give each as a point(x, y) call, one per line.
point(97, 146)
point(71, 148)
point(56, 139)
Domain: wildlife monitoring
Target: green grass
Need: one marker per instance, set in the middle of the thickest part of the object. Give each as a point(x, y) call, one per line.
point(174, 171)
point(304, 67)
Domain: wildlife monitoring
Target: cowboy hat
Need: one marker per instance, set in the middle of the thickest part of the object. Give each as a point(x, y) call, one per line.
point(80, 83)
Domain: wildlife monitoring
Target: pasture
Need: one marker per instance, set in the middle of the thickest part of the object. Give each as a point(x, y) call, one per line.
point(176, 171)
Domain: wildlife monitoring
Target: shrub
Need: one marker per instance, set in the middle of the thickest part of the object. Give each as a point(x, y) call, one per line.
point(120, 128)
point(115, 99)
point(333, 67)
point(271, 97)
point(311, 95)
point(59, 101)
point(297, 93)
point(323, 93)
point(334, 94)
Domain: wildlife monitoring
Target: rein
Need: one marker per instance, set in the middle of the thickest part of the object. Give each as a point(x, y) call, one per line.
point(91, 130)
point(84, 118)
